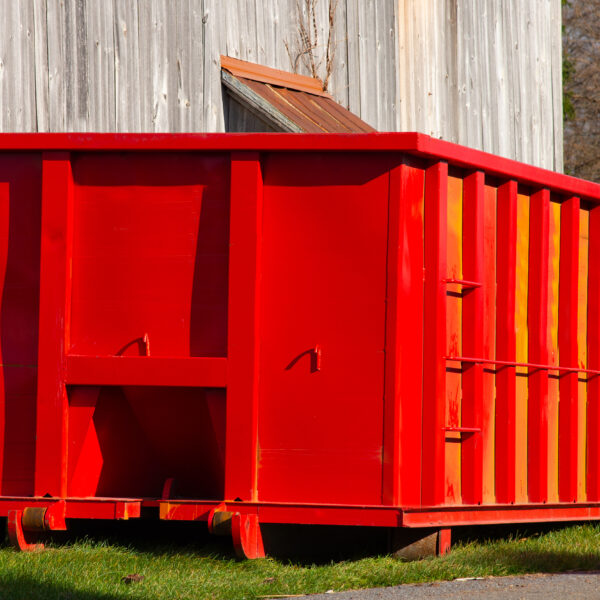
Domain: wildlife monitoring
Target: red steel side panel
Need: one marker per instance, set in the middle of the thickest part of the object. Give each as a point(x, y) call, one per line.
point(4, 233)
point(323, 288)
point(434, 364)
point(537, 311)
point(243, 346)
point(55, 281)
point(506, 342)
point(447, 516)
point(472, 337)
point(150, 254)
point(146, 370)
point(149, 323)
point(404, 339)
point(582, 313)
point(553, 349)
point(21, 176)
point(454, 299)
point(488, 423)
point(568, 349)
point(593, 347)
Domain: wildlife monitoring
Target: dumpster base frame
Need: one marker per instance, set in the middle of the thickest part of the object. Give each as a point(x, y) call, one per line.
point(242, 520)
point(384, 516)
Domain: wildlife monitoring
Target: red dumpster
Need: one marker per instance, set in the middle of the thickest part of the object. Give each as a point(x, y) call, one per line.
point(366, 330)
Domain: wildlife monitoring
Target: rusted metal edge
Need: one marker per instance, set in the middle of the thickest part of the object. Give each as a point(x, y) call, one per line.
point(257, 104)
point(248, 70)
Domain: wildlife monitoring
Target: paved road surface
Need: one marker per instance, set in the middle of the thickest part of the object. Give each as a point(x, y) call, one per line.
point(566, 586)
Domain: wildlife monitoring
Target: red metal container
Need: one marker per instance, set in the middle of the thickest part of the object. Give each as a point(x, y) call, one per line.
point(379, 330)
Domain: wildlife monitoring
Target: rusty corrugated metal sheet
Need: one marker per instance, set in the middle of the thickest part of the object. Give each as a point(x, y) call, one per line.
point(299, 99)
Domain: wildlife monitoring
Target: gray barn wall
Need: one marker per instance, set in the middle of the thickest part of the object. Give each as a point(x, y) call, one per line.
point(485, 73)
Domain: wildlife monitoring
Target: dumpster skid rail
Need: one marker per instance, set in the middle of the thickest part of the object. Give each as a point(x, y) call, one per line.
point(380, 330)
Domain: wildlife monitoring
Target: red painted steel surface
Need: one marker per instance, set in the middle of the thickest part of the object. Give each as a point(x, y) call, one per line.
point(593, 407)
point(404, 319)
point(472, 336)
point(381, 330)
point(243, 329)
point(434, 331)
point(537, 319)
point(323, 271)
point(506, 342)
point(567, 331)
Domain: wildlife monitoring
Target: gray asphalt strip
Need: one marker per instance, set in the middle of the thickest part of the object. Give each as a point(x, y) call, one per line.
point(563, 586)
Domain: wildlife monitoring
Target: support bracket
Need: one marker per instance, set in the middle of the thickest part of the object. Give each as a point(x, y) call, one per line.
point(21, 540)
point(25, 526)
point(244, 529)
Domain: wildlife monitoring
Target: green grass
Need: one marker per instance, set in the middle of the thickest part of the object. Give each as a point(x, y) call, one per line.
point(92, 570)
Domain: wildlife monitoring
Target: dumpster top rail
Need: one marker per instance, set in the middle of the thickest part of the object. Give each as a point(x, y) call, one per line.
point(413, 143)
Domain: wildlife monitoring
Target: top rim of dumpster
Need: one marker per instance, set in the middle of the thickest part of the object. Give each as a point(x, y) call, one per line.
point(417, 144)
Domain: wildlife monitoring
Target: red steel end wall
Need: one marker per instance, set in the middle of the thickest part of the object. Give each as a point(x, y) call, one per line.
point(367, 319)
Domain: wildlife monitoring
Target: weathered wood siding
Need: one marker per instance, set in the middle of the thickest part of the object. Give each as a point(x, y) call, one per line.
point(485, 73)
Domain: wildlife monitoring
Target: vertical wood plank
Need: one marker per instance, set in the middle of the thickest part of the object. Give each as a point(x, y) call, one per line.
point(529, 51)
point(128, 69)
point(17, 75)
point(593, 348)
point(195, 66)
point(556, 162)
point(405, 66)
point(568, 349)
point(487, 101)
point(472, 336)
point(500, 85)
point(282, 17)
point(419, 68)
point(506, 343)
point(55, 270)
point(145, 81)
point(243, 327)
point(354, 98)
point(386, 40)
point(162, 65)
point(404, 361)
point(57, 105)
point(537, 316)
point(40, 65)
point(450, 130)
point(339, 78)
point(68, 48)
point(263, 37)
point(434, 367)
point(211, 75)
point(184, 58)
point(233, 33)
point(100, 31)
point(510, 51)
point(369, 109)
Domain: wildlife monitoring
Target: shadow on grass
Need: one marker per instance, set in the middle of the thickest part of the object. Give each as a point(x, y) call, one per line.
point(156, 538)
point(27, 588)
point(289, 543)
